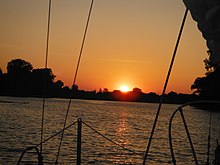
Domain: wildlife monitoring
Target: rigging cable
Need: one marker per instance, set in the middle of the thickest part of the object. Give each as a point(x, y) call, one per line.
point(75, 76)
point(165, 85)
point(209, 138)
point(57, 133)
point(44, 83)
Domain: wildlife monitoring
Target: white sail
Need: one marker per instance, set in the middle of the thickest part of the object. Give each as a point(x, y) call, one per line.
point(207, 15)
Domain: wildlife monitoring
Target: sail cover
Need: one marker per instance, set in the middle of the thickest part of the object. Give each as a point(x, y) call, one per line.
point(207, 14)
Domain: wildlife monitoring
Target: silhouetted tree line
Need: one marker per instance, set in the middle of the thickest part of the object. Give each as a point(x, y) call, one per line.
point(22, 80)
point(136, 95)
point(208, 87)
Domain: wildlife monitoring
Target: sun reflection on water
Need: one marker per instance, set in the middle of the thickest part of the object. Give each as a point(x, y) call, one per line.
point(122, 128)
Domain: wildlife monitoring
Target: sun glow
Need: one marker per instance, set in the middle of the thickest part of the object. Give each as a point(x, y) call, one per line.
point(124, 88)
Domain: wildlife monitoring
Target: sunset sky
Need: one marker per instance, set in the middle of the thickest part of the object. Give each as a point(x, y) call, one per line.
point(129, 42)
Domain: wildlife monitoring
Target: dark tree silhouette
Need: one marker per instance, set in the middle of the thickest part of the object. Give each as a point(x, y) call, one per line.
point(137, 90)
point(17, 66)
point(208, 65)
point(18, 77)
point(208, 87)
point(22, 80)
point(3, 83)
point(42, 81)
point(58, 84)
point(1, 73)
point(105, 90)
point(75, 88)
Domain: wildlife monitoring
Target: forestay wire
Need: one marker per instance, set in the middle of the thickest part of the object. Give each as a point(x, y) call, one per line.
point(44, 83)
point(75, 76)
point(165, 86)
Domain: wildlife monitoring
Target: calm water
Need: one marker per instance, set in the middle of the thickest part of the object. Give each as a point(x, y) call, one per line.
point(128, 124)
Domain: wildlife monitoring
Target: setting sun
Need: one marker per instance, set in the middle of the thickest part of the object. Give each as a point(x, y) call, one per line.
point(124, 88)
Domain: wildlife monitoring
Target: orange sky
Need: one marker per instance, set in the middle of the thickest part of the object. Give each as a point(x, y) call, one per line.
point(129, 42)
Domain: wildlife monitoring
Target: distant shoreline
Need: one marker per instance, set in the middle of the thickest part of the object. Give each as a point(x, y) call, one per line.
point(12, 102)
point(142, 97)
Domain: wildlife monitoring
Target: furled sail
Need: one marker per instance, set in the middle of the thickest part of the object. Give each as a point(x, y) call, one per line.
point(207, 14)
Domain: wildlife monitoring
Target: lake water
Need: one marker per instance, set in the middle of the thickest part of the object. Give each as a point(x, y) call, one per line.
point(128, 124)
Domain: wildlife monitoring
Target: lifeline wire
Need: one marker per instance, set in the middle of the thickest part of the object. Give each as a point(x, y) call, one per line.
point(44, 84)
point(40, 157)
point(54, 135)
point(75, 76)
point(165, 85)
point(134, 152)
